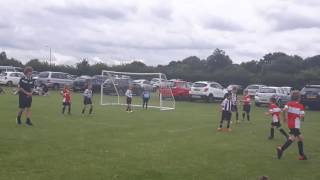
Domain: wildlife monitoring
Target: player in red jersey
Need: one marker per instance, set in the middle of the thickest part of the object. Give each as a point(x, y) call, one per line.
point(66, 99)
point(294, 113)
point(246, 105)
point(275, 111)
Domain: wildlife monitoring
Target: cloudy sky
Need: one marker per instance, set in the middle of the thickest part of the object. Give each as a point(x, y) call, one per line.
point(157, 31)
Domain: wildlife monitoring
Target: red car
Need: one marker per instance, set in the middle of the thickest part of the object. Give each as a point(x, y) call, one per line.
point(180, 89)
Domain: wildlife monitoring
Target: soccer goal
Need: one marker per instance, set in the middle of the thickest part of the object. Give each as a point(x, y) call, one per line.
point(115, 85)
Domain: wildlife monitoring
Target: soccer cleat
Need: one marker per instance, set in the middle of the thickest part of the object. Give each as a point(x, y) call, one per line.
point(18, 121)
point(270, 137)
point(279, 152)
point(29, 123)
point(219, 129)
point(304, 157)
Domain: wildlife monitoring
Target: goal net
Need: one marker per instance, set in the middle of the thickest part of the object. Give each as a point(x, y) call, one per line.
point(143, 85)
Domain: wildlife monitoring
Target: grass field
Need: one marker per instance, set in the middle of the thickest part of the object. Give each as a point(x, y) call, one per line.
point(112, 144)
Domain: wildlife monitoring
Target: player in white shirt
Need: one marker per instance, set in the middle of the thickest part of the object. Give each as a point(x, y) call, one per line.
point(129, 99)
point(87, 100)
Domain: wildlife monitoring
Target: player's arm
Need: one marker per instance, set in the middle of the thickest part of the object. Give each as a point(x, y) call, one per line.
point(285, 113)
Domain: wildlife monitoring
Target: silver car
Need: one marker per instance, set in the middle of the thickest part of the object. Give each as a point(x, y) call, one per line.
point(55, 80)
point(265, 93)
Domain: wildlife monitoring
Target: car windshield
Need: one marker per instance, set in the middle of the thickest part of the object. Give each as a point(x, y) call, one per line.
point(199, 85)
point(253, 87)
point(314, 89)
point(267, 90)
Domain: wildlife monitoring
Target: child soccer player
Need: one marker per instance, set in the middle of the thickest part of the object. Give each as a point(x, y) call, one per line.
point(246, 105)
point(275, 111)
point(226, 111)
point(25, 90)
point(234, 98)
point(87, 99)
point(293, 113)
point(145, 98)
point(66, 99)
point(129, 99)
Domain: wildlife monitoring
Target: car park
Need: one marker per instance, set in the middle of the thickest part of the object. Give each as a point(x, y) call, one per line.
point(287, 89)
point(263, 96)
point(208, 91)
point(310, 96)
point(55, 80)
point(10, 78)
point(253, 89)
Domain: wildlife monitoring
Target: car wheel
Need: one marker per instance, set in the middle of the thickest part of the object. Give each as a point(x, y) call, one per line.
point(9, 83)
point(210, 98)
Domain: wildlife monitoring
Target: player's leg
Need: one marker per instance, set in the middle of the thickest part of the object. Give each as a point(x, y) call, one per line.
point(300, 147)
point(63, 107)
point(147, 101)
point(28, 115)
point(84, 109)
point(237, 113)
point(69, 108)
point(289, 141)
point(271, 131)
point(91, 109)
point(282, 131)
point(222, 119)
point(19, 115)
point(229, 115)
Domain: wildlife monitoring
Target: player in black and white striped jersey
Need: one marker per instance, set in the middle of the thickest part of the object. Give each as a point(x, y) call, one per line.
point(226, 107)
point(87, 99)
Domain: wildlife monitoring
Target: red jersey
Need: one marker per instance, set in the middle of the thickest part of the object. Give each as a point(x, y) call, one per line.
point(246, 100)
point(275, 112)
point(294, 112)
point(66, 95)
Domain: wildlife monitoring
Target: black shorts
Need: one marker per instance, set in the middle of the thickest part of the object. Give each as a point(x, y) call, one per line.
point(129, 100)
point(87, 101)
point(66, 103)
point(276, 124)
point(25, 101)
point(226, 115)
point(145, 100)
point(234, 108)
point(295, 131)
point(246, 108)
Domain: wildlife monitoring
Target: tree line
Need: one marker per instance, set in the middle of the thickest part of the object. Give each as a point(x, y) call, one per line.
point(277, 69)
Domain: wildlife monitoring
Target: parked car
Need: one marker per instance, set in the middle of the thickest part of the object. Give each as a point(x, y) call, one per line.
point(10, 78)
point(97, 81)
point(10, 69)
point(122, 84)
point(155, 82)
point(287, 89)
point(145, 84)
point(231, 86)
point(81, 83)
point(253, 89)
point(209, 91)
point(55, 80)
point(263, 96)
point(180, 89)
point(310, 96)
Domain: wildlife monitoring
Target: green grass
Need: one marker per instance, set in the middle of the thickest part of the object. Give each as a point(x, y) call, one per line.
point(112, 144)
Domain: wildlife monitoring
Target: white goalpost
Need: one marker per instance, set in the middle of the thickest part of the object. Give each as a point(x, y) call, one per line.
point(116, 83)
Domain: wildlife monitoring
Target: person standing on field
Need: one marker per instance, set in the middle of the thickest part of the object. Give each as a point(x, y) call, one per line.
point(129, 99)
point(25, 90)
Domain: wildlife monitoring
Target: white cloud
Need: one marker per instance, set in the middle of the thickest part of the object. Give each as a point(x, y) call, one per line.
point(157, 31)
